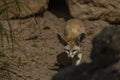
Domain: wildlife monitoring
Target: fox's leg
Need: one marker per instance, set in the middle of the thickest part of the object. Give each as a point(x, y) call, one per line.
point(79, 59)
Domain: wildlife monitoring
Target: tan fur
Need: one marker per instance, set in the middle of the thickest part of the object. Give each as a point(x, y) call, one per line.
point(73, 28)
point(73, 36)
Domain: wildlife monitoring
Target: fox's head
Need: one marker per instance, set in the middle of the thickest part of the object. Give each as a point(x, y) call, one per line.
point(71, 45)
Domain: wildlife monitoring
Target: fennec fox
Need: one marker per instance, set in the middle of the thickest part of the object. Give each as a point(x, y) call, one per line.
point(74, 34)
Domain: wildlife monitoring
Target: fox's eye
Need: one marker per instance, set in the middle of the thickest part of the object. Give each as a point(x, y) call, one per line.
point(67, 50)
point(75, 51)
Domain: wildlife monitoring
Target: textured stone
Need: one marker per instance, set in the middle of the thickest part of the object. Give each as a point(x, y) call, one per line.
point(21, 8)
point(108, 10)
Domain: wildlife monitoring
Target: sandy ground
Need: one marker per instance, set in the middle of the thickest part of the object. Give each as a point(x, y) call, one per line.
point(36, 48)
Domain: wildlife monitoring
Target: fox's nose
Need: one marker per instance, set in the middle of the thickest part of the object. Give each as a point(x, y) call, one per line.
point(71, 55)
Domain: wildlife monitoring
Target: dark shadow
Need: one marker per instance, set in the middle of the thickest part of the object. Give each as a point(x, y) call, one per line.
point(106, 46)
point(62, 62)
point(59, 8)
point(59, 67)
point(105, 56)
point(39, 14)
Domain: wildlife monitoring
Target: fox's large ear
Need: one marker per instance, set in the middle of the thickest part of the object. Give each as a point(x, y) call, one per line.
point(80, 38)
point(61, 39)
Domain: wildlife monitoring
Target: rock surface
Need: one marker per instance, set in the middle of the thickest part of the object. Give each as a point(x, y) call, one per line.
point(108, 10)
point(21, 8)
